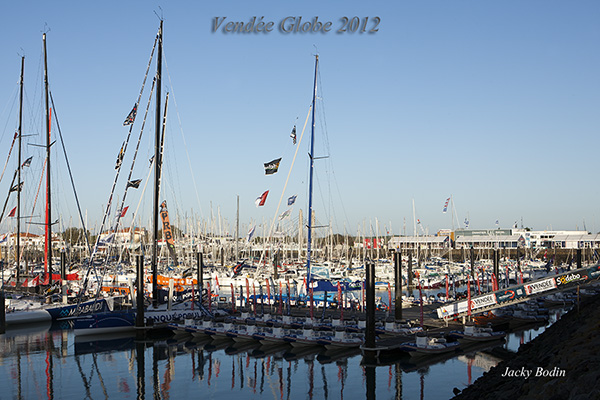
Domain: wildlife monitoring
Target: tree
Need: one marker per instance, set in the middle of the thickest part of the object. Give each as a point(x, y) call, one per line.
point(74, 236)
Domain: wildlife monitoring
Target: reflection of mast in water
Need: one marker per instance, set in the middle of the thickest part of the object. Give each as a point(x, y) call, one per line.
point(155, 378)
point(141, 380)
point(49, 377)
point(262, 375)
point(280, 378)
point(325, 391)
point(371, 376)
point(469, 366)
point(209, 368)
point(255, 376)
point(233, 372)
point(241, 372)
point(310, 378)
point(86, 384)
point(201, 363)
point(422, 379)
point(289, 379)
point(398, 382)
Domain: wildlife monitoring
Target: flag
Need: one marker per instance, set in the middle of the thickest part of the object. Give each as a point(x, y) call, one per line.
point(291, 200)
point(285, 214)
point(293, 134)
point(466, 223)
point(16, 187)
point(497, 223)
point(12, 212)
point(34, 282)
point(134, 183)
point(446, 205)
point(124, 211)
point(260, 201)
point(3, 238)
point(27, 162)
point(271, 167)
point(131, 117)
point(515, 225)
point(418, 221)
point(120, 156)
point(251, 232)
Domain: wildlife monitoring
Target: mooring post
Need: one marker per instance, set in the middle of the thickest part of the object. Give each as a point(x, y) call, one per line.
point(63, 275)
point(472, 255)
point(398, 288)
point(410, 273)
point(2, 312)
point(496, 266)
point(139, 317)
point(200, 275)
point(370, 282)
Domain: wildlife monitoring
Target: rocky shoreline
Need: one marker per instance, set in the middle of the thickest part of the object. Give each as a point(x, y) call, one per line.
point(561, 363)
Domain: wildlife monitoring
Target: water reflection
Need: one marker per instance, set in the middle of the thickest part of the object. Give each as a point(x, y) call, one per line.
point(39, 362)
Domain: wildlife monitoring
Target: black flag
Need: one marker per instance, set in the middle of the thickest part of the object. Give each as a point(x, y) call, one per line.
point(27, 162)
point(131, 117)
point(271, 167)
point(134, 184)
point(120, 157)
point(293, 134)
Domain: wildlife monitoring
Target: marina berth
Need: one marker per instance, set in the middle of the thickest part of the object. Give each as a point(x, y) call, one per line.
point(425, 345)
point(474, 333)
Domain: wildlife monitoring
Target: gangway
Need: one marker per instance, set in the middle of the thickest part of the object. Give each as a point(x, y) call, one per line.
point(519, 293)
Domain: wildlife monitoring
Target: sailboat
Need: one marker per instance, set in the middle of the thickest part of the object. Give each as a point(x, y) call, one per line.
point(27, 311)
point(123, 320)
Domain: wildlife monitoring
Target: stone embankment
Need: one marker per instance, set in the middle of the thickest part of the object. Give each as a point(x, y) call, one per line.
point(561, 363)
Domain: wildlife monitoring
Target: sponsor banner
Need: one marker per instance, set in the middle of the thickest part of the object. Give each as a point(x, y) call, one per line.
point(463, 306)
point(510, 294)
point(594, 272)
point(579, 276)
point(541, 286)
point(483, 301)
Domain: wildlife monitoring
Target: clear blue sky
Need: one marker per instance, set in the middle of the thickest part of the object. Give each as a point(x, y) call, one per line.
point(496, 103)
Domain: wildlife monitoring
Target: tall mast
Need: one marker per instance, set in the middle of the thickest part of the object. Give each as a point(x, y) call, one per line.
point(157, 167)
point(237, 229)
point(19, 173)
point(310, 184)
point(48, 260)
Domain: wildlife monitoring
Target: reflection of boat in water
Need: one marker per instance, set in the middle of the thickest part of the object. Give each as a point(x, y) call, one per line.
point(302, 353)
point(337, 355)
point(104, 343)
point(241, 347)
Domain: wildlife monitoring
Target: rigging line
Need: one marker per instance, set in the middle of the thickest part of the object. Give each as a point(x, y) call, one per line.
point(15, 97)
point(36, 198)
point(183, 136)
point(69, 169)
point(8, 158)
point(135, 153)
point(135, 214)
point(108, 205)
point(287, 179)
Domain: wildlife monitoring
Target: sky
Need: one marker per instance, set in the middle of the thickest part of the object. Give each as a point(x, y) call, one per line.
point(494, 104)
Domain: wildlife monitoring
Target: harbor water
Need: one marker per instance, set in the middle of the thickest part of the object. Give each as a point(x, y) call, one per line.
point(44, 362)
